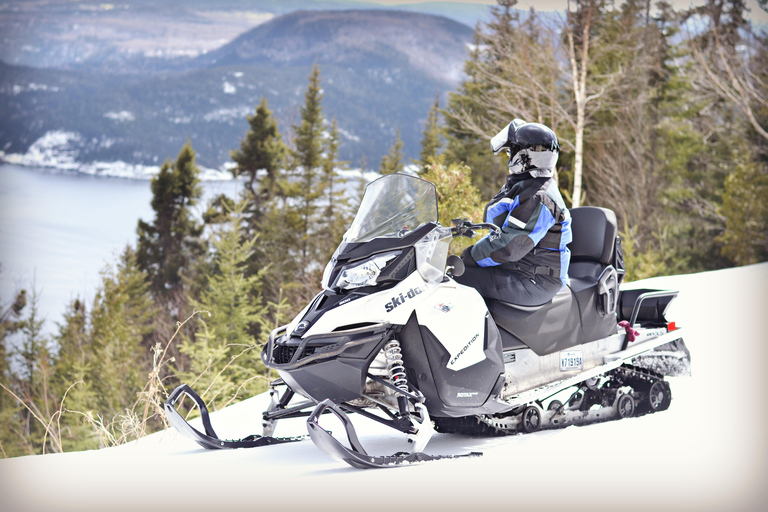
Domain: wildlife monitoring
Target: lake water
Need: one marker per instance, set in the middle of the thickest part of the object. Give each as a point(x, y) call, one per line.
point(59, 229)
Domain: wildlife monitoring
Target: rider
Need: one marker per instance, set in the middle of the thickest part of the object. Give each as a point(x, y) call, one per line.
point(528, 263)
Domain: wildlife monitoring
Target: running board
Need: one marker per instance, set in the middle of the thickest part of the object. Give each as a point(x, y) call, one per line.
point(610, 362)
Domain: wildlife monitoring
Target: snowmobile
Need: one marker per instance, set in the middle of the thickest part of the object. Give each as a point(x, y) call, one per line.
point(392, 337)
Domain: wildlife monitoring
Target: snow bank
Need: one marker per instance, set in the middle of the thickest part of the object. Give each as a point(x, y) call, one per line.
point(707, 452)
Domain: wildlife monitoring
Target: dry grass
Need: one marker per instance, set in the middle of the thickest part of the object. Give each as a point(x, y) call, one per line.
point(143, 417)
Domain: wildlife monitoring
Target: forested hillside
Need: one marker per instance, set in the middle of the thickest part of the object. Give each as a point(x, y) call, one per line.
point(382, 70)
point(661, 116)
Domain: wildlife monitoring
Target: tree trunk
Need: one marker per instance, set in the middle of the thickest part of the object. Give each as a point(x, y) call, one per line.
point(578, 159)
point(579, 73)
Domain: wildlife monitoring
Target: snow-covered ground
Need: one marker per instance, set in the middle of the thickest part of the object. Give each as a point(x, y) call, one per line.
point(709, 451)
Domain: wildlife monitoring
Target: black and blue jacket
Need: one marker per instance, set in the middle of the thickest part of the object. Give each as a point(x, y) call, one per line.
point(535, 228)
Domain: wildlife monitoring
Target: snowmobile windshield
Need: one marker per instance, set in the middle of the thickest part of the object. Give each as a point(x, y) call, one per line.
point(393, 206)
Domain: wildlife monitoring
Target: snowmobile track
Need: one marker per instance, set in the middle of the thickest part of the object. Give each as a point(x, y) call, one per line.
point(626, 380)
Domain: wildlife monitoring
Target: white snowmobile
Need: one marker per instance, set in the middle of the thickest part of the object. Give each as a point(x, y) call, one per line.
point(393, 338)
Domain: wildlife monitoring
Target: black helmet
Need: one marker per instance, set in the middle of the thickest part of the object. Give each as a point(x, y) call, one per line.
point(531, 146)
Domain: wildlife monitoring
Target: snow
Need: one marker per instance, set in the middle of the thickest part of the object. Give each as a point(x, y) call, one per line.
point(58, 149)
point(121, 116)
point(707, 452)
point(348, 135)
point(31, 87)
point(229, 88)
point(227, 115)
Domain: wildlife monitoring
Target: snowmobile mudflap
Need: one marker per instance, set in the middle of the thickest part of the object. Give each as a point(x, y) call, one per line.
point(357, 456)
point(209, 439)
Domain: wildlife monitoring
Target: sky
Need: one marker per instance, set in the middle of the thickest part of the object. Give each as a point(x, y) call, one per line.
point(757, 14)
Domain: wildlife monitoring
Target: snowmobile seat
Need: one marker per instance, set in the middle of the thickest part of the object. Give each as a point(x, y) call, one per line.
point(593, 255)
point(583, 312)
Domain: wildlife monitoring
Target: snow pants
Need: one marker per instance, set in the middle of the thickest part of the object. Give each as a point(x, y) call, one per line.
point(513, 286)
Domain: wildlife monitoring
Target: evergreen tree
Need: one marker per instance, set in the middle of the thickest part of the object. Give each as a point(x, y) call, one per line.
point(261, 150)
point(10, 322)
point(32, 382)
point(336, 214)
point(394, 161)
point(457, 196)
point(745, 239)
point(224, 360)
point(74, 375)
point(430, 142)
point(308, 188)
point(168, 246)
point(122, 314)
point(12, 440)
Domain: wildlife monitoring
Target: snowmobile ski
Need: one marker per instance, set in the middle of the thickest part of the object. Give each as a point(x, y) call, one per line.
point(209, 439)
point(356, 456)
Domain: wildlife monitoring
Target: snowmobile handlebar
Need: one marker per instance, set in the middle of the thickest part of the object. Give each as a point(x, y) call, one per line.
point(465, 227)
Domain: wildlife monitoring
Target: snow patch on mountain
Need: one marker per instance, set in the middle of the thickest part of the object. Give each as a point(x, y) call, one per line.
point(226, 115)
point(121, 116)
point(60, 149)
point(348, 135)
point(54, 149)
point(31, 87)
point(229, 88)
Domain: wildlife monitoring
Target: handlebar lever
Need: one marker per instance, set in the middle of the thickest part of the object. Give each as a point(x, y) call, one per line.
point(464, 227)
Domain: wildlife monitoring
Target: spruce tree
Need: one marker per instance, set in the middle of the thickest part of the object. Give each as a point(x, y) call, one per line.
point(336, 213)
point(307, 189)
point(122, 314)
point(10, 322)
point(394, 161)
point(74, 375)
point(170, 244)
point(12, 440)
point(170, 247)
point(261, 150)
point(225, 362)
point(430, 142)
point(33, 381)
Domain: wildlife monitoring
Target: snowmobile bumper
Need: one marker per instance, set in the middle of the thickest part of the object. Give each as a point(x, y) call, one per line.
point(209, 439)
point(335, 362)
point(356, 456)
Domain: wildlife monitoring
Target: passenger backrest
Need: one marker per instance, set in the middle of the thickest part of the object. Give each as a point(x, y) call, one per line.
point(594, 235)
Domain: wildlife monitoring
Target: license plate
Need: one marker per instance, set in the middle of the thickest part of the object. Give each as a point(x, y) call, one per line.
point(571, 360)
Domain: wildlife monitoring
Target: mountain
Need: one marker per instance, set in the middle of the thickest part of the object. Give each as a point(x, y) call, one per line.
point(150, 35)
point(375, 39)
point(380, 71)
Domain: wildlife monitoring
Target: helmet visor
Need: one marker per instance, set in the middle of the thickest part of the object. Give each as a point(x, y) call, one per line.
point(501, 139)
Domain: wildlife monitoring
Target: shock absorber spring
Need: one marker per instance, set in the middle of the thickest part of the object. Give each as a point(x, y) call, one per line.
point(395, 368)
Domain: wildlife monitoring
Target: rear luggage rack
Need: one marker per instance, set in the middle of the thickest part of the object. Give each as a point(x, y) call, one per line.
point(644, 306)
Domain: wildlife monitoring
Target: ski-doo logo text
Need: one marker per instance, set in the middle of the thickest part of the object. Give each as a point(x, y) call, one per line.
point(457, 356)
point(399, 299)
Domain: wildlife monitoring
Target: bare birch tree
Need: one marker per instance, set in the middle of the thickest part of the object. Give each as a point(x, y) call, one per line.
point(522, 67)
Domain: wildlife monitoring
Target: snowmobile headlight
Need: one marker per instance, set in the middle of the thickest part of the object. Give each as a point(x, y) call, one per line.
point(364, 273)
